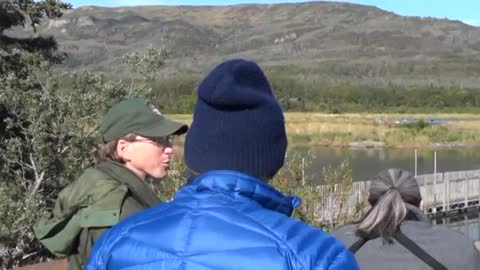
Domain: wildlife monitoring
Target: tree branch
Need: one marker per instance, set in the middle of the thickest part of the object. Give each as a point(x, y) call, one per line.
point(38, 178)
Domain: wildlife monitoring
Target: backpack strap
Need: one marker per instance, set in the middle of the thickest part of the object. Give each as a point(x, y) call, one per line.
point(358, 244)
point(418, 251)
point(409, 245)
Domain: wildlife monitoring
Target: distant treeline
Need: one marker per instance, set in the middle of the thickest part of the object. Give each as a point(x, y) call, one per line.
point(177, 95)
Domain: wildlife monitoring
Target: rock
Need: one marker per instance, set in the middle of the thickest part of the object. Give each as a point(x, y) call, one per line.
point(366, 144)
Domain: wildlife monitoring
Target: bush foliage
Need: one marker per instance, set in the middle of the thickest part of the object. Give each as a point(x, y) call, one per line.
point(47, 132)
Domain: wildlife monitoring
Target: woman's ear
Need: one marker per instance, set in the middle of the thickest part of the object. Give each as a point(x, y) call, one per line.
point(123, 149)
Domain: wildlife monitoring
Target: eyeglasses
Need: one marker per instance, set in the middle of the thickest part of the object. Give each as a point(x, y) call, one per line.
point(160, 141)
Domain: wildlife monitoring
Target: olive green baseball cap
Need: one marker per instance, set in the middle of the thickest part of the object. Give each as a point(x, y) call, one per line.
point(138, 116)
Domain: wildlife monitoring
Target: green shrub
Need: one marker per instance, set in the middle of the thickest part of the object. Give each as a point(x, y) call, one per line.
point(338, 182)
point(46, 143)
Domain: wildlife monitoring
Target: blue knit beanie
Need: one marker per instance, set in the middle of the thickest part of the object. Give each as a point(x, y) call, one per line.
point(237, 124)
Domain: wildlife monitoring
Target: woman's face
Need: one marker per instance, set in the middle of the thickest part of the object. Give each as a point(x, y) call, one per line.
point(146, 156)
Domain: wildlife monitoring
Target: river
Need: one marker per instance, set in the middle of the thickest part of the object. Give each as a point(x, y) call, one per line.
point(366, 162)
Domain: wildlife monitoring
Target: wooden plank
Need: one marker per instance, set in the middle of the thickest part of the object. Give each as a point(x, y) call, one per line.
point(425, 193)
point(434, 194)
point(447, 181)
point(434, 182)
point(465, 193)
point(444, 209)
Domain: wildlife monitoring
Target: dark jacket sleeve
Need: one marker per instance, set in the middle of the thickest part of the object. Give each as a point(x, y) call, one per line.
point(87, 239)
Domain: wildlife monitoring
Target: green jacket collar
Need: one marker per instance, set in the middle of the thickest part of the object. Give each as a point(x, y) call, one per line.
point(137, 186)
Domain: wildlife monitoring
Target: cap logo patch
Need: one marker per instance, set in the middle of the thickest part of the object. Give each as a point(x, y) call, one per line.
point(153, 109)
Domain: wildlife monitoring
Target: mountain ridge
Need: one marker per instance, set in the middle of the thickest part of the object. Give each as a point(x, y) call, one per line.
point(336, 39)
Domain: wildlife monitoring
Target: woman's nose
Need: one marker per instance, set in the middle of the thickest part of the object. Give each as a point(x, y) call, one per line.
point(169, 150)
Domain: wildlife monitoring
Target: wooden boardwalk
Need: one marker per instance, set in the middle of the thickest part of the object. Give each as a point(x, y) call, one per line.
point(443, 194)
point(448, 192)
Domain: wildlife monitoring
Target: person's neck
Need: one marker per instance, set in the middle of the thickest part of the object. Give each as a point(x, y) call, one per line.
point(136, 171)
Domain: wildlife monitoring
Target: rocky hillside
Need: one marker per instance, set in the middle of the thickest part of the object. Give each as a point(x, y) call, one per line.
point(336, 40)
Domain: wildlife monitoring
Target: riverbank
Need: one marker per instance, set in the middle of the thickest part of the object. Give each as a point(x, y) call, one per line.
point(379, 130)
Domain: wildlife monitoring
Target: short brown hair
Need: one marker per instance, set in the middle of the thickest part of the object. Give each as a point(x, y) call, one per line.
point(108, 151)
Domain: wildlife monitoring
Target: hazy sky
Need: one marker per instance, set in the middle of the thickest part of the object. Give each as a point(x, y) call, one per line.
point(467, 11)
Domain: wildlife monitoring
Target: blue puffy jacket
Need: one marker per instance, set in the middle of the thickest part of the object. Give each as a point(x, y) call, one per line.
point(222, 220)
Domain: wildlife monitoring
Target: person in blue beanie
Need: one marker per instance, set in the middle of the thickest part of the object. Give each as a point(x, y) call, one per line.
point(228, 216)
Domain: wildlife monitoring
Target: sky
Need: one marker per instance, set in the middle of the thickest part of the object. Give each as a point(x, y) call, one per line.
point(467, 11)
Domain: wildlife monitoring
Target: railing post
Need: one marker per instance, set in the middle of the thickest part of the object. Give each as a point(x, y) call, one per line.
point(425, 203)
point(416, 160)
point(444, 194)
point(434, 210)
point(465, 193)
point(448, 192)
point(478, 188)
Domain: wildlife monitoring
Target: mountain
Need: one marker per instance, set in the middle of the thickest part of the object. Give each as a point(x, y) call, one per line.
point(323, 39)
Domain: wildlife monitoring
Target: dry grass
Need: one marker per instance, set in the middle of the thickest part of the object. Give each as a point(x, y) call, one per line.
point(342, 129)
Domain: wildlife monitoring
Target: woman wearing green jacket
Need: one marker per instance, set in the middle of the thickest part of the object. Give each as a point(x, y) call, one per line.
point(136, 143)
